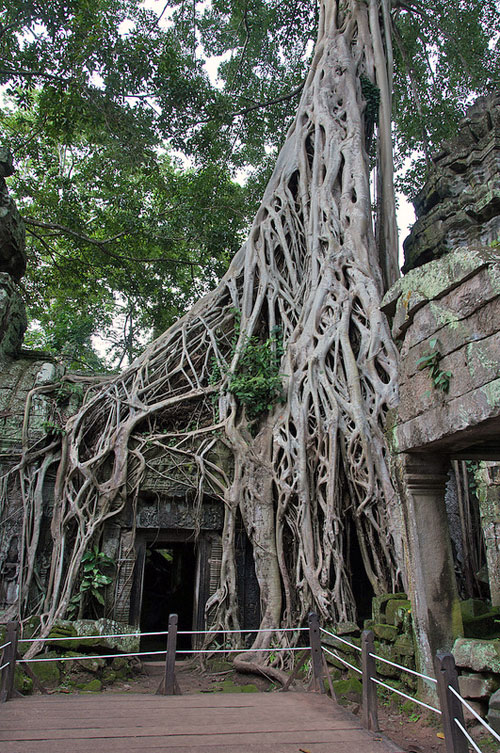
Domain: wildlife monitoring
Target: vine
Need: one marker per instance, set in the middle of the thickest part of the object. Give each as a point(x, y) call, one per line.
point(431, 360)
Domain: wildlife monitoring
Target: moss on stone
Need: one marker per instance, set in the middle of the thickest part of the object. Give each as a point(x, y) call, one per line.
point(94, 686)
point(349, 690)
point(22, 682)
point(385, 632)
point(47, 672)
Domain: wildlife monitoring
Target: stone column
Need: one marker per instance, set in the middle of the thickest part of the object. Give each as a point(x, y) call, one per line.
point(432, 584)
point(489, 508)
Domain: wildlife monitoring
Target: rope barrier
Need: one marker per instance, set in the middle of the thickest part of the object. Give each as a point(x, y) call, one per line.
point(238, 650)
point(469, 707)
point(5, 645)
point(179, 651)
point(3, 666)
point(342, 640)
point(469, 738)
point(161, 632)
point(409, 697)
point(405, 669)
point(89, 658)
point(351, 666)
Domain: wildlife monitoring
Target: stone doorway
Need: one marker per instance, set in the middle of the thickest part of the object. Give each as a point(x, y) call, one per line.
point(168, 588)
point(170, 577)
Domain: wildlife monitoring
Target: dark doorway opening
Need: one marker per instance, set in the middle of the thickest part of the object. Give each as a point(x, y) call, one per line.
point(362, 589)
point(168, 588)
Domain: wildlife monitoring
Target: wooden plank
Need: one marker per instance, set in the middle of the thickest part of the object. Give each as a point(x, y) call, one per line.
point(281, 723)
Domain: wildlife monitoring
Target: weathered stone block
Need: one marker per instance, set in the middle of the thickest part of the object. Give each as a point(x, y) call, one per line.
point(483, 625)
point(379, 604)
point(473, 608)
point(47, 672)
point(477, 685)
point(446, 419)
point(494, 711)
point(348, 690)
point(111, 628)
point(395, 611)
point(479, 655)
point(385, 632)
point(347, 628)
point(404, 646)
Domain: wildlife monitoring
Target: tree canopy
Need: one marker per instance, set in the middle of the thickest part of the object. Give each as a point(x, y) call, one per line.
point(127, 150)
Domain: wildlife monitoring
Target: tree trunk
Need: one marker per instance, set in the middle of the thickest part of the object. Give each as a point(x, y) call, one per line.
point(306, 466)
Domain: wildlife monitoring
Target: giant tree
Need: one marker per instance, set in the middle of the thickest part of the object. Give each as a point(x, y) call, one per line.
point(275, 385)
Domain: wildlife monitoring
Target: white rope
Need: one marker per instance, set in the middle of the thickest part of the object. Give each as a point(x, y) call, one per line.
point(409, 697)
point(337, 638)
point(162, 632)
point(5, 645)
point(4, 665)
point(178, 651)
point(91, 656)
point(405, 669)
point(85, 637)
point(469, 738)
point(468, 706)
point(261, 630)
point(351, 666)
point(239, 650)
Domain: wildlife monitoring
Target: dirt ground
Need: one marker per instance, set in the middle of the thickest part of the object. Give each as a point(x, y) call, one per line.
point(417, 733)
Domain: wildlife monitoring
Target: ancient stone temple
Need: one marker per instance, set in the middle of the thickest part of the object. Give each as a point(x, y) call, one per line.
point(167, 557)
point(445, 315)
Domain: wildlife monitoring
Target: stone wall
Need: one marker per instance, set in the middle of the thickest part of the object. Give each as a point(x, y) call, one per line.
point(450, 307)
point(477, 660)
point(460, 202)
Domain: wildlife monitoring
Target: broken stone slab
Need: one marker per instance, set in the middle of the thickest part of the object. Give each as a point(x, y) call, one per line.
point(99, 628)
point(478, 655)
point(478, 685)
point(346, 628)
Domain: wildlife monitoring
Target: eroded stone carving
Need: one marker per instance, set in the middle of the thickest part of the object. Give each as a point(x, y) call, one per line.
point(460, 202)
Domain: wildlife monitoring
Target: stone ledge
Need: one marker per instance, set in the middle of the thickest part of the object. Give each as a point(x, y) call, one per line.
point(462, 413)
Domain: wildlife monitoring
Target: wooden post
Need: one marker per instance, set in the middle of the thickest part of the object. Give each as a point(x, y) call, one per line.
point(369, 707)
point(451, 708)
point(9, 658)
point(316, 652)
point(170, 659)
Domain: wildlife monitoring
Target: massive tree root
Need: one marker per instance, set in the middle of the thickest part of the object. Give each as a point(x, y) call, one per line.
point(308, 468)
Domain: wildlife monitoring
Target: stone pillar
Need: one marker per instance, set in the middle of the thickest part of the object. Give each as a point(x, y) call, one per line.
point(489, 508)
point(432, 585)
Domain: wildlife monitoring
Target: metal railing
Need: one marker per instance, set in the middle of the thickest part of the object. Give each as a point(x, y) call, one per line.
point(457, 739)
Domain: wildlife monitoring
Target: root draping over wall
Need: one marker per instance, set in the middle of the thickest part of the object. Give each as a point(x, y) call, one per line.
point(313, 464)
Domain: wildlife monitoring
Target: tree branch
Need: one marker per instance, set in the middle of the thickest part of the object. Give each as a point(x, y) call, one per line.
point(102, 243)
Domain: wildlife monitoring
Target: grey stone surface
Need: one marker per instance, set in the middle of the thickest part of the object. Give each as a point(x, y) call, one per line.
point(494, 711)
point(460, 202)
point(12, 233)
point(478, 655)
point(13, 321)
point(477, 685)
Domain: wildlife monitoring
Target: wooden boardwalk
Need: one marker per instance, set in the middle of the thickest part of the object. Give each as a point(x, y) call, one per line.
point(201, 723)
